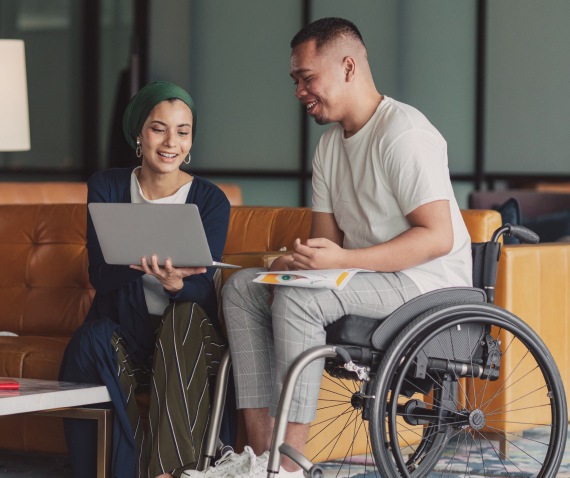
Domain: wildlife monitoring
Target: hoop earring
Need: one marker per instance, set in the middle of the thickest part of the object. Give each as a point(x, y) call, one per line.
point(187, 160)
point(138, 150)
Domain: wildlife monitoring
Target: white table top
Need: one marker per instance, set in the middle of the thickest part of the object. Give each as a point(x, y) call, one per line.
point(36, 395)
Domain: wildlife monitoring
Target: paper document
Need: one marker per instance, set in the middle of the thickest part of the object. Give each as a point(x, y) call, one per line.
point(315, 279)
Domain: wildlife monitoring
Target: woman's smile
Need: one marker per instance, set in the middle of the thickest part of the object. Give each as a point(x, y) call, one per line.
point(168, 156)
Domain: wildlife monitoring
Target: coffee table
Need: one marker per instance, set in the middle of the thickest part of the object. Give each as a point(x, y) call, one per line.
point(64, 399)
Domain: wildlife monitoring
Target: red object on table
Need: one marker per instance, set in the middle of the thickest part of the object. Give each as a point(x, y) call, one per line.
point(9, 384)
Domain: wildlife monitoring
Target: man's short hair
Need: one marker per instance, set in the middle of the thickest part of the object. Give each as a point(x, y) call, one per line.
point(326, 30)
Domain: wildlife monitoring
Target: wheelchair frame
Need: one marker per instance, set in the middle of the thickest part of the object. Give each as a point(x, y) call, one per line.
point(409, 352)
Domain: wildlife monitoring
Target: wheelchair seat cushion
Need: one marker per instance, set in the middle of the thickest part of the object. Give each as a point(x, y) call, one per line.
point(352, 330)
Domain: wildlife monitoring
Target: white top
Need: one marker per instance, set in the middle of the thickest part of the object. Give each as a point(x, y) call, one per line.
point(155, 296)
point(372, 180)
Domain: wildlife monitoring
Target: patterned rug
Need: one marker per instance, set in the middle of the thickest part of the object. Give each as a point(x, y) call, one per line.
point(464, 462)
point(18, 465)
point(522, 460)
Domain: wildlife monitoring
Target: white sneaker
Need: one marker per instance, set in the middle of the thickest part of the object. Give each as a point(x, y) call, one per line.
point(258, 469)
point(230, 465)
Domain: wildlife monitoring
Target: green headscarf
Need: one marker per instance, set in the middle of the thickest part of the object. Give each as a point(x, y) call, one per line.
point(145, 100)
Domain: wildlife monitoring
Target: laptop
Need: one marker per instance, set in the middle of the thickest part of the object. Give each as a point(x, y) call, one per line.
point(127, 232)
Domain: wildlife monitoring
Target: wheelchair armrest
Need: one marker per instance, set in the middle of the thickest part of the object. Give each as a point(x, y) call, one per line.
point(403, 315)
point(378, 333)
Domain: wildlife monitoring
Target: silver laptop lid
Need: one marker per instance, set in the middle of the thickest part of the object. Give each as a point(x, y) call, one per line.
point(127, 232)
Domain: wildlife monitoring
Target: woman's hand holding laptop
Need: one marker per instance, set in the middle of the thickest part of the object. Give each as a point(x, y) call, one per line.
point(169, 276)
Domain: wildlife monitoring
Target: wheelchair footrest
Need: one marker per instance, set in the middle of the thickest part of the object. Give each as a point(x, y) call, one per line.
point(309, 470)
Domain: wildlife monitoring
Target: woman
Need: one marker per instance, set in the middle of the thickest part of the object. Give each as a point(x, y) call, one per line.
point(149, 326)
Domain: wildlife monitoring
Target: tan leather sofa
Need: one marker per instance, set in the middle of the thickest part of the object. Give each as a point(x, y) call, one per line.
point(73, 193)
point(56, 192)
point(563, 187)
point(45, 292)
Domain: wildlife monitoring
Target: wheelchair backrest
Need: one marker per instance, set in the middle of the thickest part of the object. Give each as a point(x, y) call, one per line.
point(485, 261)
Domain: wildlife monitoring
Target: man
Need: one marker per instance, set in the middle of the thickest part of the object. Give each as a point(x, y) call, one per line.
point(382, 200)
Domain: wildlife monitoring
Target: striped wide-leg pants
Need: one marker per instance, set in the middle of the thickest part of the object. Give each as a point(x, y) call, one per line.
point(185, 363)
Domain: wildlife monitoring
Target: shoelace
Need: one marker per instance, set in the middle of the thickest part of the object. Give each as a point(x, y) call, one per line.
point(256, 464)
point(230, 459)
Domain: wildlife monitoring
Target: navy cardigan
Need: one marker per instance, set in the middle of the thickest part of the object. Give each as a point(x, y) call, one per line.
point(119, 293)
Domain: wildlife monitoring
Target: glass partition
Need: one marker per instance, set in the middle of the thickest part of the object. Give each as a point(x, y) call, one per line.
point(50, 30)
point(58, 46)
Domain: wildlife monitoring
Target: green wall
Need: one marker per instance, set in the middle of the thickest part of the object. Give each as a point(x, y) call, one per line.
point(528, 97)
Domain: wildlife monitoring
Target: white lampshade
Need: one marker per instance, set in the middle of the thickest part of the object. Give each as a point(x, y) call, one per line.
point(14, 120)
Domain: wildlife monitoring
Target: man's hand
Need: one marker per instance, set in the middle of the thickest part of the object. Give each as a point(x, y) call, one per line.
point(282, 263)
point(319, 253)
point(169, 276)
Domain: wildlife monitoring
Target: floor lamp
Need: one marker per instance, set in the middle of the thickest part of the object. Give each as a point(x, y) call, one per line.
point(14, 118)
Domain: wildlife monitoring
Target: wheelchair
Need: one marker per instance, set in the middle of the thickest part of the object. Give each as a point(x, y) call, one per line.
point(448, 384)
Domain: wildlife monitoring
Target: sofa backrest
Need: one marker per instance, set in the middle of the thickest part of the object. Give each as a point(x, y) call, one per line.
point(232, 192)
point(46, 192)
point(558, 187)
point(276, 228)
point(258, 228)
point(43, 192)
point(481, 224)
point(44, 285)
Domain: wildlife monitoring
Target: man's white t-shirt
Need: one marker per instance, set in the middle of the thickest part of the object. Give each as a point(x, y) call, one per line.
point(372, 180)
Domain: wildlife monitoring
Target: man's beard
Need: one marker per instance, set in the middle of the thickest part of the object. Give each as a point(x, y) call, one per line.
point(321, 120)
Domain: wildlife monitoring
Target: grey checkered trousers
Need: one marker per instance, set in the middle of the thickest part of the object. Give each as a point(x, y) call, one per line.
point(265, 338)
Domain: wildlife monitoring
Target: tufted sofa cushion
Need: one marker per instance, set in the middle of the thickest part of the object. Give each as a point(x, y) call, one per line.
point(47, 290)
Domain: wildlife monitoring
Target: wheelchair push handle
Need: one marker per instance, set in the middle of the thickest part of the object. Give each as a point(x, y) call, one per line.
point(523, 234)
point(486, 256)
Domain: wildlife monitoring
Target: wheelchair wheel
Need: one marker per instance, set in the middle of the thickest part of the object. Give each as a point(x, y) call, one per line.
point(468, 390)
